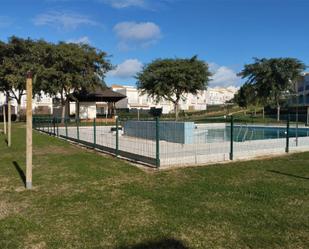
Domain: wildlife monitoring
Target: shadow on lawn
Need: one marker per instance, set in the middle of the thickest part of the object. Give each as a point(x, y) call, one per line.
point(286, 174)
point(20, 172)
point(159, 244)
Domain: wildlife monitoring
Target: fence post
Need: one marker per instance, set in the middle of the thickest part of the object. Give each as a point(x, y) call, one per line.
point(48, 126)
point(296, 131)
point(94, 133)
point(232, 139)
point(287, 148)
point(54, 124)
point(117, 138)
point(77, 128)
point(66, 127)
point(157, 142)
point(9, 124)
point(51, 126)
point(57, 120)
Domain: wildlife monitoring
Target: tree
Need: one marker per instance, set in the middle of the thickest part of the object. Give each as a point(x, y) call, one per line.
point(3, 51)
point(247, 96)
point(272, 78)
point(72, 68)
point(18, 57)
point(171, 79)
point(57, 69)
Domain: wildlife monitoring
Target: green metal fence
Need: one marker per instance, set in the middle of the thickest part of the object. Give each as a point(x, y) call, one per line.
point(165, 143)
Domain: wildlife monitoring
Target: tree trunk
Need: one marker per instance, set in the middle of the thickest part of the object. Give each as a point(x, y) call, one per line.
point(255, 111)
point(263, 112)
point(176, 106)
point(4, 119)
point(63, 107)
point(278, 112)
point(176, 109)
point(18, 110)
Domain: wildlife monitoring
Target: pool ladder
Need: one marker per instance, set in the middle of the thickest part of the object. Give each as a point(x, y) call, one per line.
point(245, 133)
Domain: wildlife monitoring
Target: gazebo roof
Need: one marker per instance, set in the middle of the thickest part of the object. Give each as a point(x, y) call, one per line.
point(98, 95)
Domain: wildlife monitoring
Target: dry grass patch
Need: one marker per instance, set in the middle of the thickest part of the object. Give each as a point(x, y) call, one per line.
point(7, 209)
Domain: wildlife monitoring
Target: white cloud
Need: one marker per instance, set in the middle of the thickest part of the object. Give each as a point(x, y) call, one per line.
point(132, 34)
point(127, 69)
point(143, 31)
point(223, 76)
point(82, 40)
point(120, 4)
point(63, 20)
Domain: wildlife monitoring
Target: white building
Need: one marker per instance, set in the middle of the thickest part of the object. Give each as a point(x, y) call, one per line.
point(41, 104)
point(134, 100)
point(212, 96)
point(220, 95)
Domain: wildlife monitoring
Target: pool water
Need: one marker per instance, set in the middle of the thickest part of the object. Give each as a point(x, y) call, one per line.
point(246, 133)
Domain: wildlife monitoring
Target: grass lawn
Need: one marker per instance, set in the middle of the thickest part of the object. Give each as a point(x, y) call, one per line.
point(82, 199)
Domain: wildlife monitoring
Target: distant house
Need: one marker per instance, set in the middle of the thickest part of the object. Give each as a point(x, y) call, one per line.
point(135, 100)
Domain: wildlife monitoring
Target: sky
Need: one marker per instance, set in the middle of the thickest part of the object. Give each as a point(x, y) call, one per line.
point(224, 33)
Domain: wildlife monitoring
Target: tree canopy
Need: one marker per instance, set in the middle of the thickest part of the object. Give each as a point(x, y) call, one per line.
point(273, 78)
point(246, 95)
point(58, 69)
point(171, 79)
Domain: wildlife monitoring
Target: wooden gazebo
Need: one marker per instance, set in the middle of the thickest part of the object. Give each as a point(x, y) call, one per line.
point(106, 95)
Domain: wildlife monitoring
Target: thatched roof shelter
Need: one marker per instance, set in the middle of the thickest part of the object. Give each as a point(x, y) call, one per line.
point(98, 95)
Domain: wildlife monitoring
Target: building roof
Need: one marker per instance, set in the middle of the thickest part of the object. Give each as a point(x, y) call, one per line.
point(98, 95)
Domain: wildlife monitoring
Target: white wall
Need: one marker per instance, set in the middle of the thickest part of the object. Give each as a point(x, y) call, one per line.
point(43, 100)
point(87, 110)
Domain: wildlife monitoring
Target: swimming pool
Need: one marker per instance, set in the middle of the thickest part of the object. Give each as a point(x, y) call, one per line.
point(244, 133)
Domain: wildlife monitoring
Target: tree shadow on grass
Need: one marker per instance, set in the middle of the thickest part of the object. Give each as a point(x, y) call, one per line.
point(20, 172)
point(158, 244)
point(286, 174)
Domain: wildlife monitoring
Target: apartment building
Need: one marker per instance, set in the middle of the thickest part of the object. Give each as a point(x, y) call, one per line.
point(45, 104)
point(220, 95)
point(136, 100)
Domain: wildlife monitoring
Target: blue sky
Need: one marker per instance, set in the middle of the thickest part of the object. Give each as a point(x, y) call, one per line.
point(225, 33)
